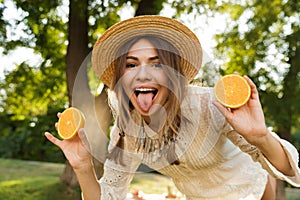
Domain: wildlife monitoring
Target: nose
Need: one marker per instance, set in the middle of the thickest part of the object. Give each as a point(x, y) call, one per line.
point(143, 73)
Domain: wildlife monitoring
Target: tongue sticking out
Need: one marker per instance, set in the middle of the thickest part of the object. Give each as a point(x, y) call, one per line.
point(144, 100)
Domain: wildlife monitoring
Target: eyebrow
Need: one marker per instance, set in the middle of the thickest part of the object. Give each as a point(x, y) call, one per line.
point(135, 58)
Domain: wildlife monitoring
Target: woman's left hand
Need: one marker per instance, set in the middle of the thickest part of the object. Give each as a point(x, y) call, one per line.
point(248, 120)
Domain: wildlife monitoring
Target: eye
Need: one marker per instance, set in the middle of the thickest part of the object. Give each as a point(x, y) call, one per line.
point(157, 65)
point(130, 65)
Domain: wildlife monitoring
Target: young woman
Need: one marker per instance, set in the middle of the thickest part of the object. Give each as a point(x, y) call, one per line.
point(210, 152)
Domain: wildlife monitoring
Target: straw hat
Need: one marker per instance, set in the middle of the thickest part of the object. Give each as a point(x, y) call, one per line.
point(180, 36)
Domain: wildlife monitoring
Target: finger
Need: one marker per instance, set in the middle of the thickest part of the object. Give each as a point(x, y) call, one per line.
point(253, 88)
point(53, 139)
point(225, 111)
point(250, 82)
point(58, 114)
point(56, 125)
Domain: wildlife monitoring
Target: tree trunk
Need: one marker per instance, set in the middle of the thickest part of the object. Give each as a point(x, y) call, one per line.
point(76, 52)
point(78, 41)
point(280, 190)
point(68, 176)
point(95, 109)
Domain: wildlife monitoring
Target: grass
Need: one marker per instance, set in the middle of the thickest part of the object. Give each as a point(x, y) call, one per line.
point(30, 180)
point(152, 183)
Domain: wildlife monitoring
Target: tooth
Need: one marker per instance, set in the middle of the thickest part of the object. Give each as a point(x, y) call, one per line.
point(144, 89)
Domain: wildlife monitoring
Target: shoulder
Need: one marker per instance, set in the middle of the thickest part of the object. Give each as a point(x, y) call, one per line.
point(195, 89)
point(199, 101)
point(198, 96)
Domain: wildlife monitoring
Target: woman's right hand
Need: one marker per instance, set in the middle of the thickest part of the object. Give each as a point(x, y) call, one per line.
point(76, 149)
point(77, 152)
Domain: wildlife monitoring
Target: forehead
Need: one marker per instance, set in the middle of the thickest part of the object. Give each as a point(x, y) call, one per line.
point(142, 44)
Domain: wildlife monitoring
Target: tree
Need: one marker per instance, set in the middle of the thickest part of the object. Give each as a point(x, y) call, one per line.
point(46, 32)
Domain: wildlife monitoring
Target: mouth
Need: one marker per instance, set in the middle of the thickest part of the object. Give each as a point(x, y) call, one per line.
point(138, 91)
point(145, 97)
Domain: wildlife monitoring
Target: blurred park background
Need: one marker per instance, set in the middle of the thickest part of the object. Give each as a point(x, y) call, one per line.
point(45, 43)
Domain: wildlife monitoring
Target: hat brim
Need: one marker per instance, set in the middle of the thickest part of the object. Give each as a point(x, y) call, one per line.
point(180, 36)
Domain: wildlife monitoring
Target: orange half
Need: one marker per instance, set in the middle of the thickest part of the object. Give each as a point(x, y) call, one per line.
point(69, 123)
point(233, 91)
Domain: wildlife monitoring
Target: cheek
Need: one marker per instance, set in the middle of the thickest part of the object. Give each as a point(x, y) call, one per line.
point(126, 78)
point(162, 79)
point(163, 96)
point(126, 82)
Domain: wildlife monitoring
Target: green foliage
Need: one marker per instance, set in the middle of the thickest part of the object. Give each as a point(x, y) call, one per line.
point(29, 91)
point(24, 138)
point(3, 25)
point(194, 7)
point(40, 25)
point(101, 17)
point(31, 97)
point(295, 137)
point(261, 41)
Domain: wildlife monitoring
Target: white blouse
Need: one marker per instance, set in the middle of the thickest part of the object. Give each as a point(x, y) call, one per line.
point(215, 161)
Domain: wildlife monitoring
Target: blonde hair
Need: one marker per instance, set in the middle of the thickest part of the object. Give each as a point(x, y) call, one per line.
point(169, 57)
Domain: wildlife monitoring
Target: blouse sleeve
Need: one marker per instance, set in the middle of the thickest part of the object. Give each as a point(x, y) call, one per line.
point(257, 156)
point(115, 181)
point(117, 177)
